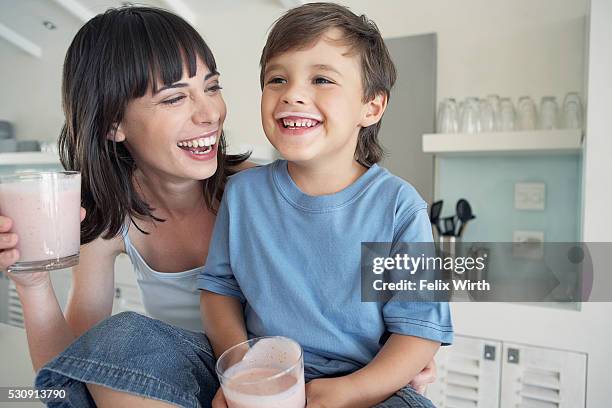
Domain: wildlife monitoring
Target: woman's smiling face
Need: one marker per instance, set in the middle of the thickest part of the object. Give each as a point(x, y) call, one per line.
point(175, 131)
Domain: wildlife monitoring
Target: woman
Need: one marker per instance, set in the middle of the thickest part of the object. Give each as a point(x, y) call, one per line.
point(144, 119)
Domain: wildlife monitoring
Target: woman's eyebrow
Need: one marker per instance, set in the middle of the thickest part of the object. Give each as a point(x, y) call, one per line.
point(210, 75)
point(183, 84)
point(176, 85)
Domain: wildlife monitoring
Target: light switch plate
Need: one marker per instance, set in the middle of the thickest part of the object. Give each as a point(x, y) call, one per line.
point(529, 237)
point(528, 244)
point(529, 196)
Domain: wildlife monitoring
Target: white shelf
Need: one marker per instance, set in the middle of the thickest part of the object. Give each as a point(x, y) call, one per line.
point(529, 141)
point(28, 158)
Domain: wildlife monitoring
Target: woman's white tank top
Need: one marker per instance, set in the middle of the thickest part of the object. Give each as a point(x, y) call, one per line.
point(171, 297)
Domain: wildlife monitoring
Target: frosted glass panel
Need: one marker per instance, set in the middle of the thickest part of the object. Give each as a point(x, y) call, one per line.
point(487, 182)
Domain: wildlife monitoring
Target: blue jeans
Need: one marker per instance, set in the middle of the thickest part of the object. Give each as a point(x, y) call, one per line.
point(139, 355)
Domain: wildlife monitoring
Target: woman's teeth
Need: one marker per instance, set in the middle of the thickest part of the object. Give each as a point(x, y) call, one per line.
point(202, 145)
point(299, 122)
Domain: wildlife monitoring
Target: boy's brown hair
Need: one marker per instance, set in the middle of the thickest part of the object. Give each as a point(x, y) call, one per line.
point(302, 26)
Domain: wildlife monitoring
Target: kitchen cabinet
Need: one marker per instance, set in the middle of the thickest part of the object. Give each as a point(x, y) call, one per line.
point(127, 292)
point(485, 373)
point(540, 377)
point(14, 310)
point(469, 374)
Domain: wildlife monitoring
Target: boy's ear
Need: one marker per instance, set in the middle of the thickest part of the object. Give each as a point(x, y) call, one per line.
point(374, 110)
point(116, 133)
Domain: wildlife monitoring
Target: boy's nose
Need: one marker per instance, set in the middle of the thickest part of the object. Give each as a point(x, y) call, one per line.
point(294, 96)
point(293, 101)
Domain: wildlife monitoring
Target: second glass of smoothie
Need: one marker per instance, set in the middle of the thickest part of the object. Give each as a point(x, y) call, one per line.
point(264, 372)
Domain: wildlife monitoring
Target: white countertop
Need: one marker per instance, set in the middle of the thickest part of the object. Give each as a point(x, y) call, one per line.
point(28, 158)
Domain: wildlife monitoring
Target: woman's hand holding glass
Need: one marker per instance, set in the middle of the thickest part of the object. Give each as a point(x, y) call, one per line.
point(9, 254)
point(8, 240)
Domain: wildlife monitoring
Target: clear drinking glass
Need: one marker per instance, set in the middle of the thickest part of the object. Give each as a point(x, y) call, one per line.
point(507, 116)
point(264, 372)
point(45, 209)
point(470, 117)
point(487, 116)
point(448, 121)
point(572, 111)
point(549, 113)
point(496, 106)
point(527, 115)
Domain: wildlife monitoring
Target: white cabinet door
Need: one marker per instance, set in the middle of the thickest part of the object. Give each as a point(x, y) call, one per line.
point(535, 377)
point(127, 299)
point(15, 312)
point(468, 374)
point(127, 293)
point(124, 271)
point(4, 294)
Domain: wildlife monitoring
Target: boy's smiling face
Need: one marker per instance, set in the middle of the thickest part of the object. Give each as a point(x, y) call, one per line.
point(312, 104)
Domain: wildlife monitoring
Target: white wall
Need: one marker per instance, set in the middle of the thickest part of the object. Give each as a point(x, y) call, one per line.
point(597, 195)
point(30, 91)
point(508, 47)
point(597, 167)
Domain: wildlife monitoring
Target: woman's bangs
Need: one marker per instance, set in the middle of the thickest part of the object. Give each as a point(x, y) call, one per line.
point(163, 49)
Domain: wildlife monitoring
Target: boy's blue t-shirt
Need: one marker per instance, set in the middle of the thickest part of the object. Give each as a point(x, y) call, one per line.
point(295, 260)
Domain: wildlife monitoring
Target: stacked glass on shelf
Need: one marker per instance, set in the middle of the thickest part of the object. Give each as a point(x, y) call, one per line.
point(495, 114)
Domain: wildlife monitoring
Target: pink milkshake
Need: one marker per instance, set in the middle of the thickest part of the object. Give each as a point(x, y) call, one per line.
point(266, 372)
point(45, 209)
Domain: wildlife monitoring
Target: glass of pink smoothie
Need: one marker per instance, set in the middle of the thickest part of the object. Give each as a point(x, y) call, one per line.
point(45, 209)
point(264, 372)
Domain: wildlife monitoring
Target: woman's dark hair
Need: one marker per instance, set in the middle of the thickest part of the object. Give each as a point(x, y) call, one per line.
point(302, 26)
point(113, 59)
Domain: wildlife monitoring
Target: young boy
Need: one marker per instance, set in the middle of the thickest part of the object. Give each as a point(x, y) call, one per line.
point(285, 254)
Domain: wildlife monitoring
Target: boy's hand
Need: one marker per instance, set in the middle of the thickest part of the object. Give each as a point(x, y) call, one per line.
point(219, 400)
point(425, 377)
point(332, 393)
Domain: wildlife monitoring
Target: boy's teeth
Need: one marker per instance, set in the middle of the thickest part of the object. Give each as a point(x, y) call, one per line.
point(299, 123)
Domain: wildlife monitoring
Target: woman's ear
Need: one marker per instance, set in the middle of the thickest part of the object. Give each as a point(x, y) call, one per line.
point(374, 110)
point(116, 133)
